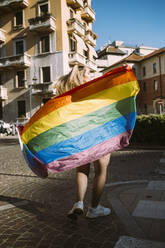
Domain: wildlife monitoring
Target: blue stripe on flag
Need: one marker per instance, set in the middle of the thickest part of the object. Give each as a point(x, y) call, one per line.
point(88, 139)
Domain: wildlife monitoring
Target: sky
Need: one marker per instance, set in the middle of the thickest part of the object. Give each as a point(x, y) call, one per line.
point(136, 22)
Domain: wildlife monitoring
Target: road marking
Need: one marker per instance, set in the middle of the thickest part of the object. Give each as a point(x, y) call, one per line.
point(150, 209)
point(13, 205)
point(162, 160)
point(156, 185)
point(130, 242)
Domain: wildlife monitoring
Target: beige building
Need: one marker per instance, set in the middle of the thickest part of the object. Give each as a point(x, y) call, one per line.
point(40, 41)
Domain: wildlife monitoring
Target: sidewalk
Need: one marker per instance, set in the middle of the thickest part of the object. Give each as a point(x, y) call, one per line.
point(141, 208)
point(33, 211)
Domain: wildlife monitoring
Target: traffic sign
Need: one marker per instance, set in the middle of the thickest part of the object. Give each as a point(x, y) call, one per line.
point(160, 102)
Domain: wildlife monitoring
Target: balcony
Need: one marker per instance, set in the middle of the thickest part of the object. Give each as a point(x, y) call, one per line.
point(88, 14)
point(75, 57)
point(75, 26)
point(10, 5)
point(75, 4)
point(3, 93)
point(91, 37)
point(92, 65)
point(42, 89)
point(42, 24)
point(17, 61)
point(2, 36)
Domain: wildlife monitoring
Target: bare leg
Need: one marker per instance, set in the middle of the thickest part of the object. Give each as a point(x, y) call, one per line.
point(100, 167)
point(82, 181)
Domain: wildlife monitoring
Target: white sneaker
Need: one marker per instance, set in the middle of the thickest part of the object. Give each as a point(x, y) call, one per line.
point(97, 212)
point(77, 209)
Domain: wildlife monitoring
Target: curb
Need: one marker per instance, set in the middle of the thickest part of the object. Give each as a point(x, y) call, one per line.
point(126, 183)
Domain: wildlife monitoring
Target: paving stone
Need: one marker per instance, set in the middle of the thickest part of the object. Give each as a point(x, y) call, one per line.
point(42, 222)
point(150, 209)
point(161, 171)
point(162, 160)
point(15, 204)
point(156, 185)
point(130, 242)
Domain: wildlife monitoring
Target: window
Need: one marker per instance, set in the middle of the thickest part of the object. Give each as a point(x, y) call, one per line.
point(1, 110)
point(154, 67)
point(44, 44)
point(2, 50)
point(20, 79)
point(145, 108)
point(85, 25)
point(18, 19)
point(86, 53)
point(46, 74)
point(134, 70)
point(72, 44)
point(144, 71)
point(144, 86)
point(44, 100)
point(104, 57)
point(43, 8)
point(155, 85)
point(1, 80)
point(71, 14)
point(85, 3)
point(21, 108)
point(19, 47)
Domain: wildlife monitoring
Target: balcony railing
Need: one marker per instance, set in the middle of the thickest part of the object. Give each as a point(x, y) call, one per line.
point(9, 5)
point(3, 93)
point(91, 37)
point(17, 61)
point(45, 23)
point(75, 4)
point(75, 26)
point(92, 65)
point(42, 88)
point(2, 36)
point(88, 14)
point(75, 57)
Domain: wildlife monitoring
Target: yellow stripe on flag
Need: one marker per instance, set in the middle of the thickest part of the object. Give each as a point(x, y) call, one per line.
point(77, 109)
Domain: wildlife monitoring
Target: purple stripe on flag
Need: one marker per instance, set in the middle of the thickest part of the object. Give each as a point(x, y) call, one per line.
point(92, 154)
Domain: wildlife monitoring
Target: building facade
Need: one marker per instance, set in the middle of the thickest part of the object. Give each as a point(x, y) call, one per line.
point(114, 52)
point(152, 83)
point(150, 73)
point(40, 41)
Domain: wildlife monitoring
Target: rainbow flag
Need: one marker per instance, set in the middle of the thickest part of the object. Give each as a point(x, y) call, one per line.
point(83, 124)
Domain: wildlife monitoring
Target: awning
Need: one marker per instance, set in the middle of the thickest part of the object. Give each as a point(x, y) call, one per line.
point(92, 50)
point(80, 42)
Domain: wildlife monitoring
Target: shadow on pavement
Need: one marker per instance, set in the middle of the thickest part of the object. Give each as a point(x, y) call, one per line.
point(26, 205)
point(9, 141)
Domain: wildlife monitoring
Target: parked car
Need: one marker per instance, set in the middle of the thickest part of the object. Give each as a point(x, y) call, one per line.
point(7, 128)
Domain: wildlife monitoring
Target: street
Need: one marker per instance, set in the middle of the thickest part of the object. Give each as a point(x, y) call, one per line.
point(33, 210)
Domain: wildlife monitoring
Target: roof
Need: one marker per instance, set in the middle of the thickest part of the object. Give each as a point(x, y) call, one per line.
point(110, 50)
point(157, 52)
point(134, 57)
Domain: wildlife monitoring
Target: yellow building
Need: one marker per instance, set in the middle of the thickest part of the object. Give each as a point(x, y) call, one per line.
point(40, 41)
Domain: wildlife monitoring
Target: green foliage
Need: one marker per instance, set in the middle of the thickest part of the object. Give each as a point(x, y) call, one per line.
point(149, 129)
